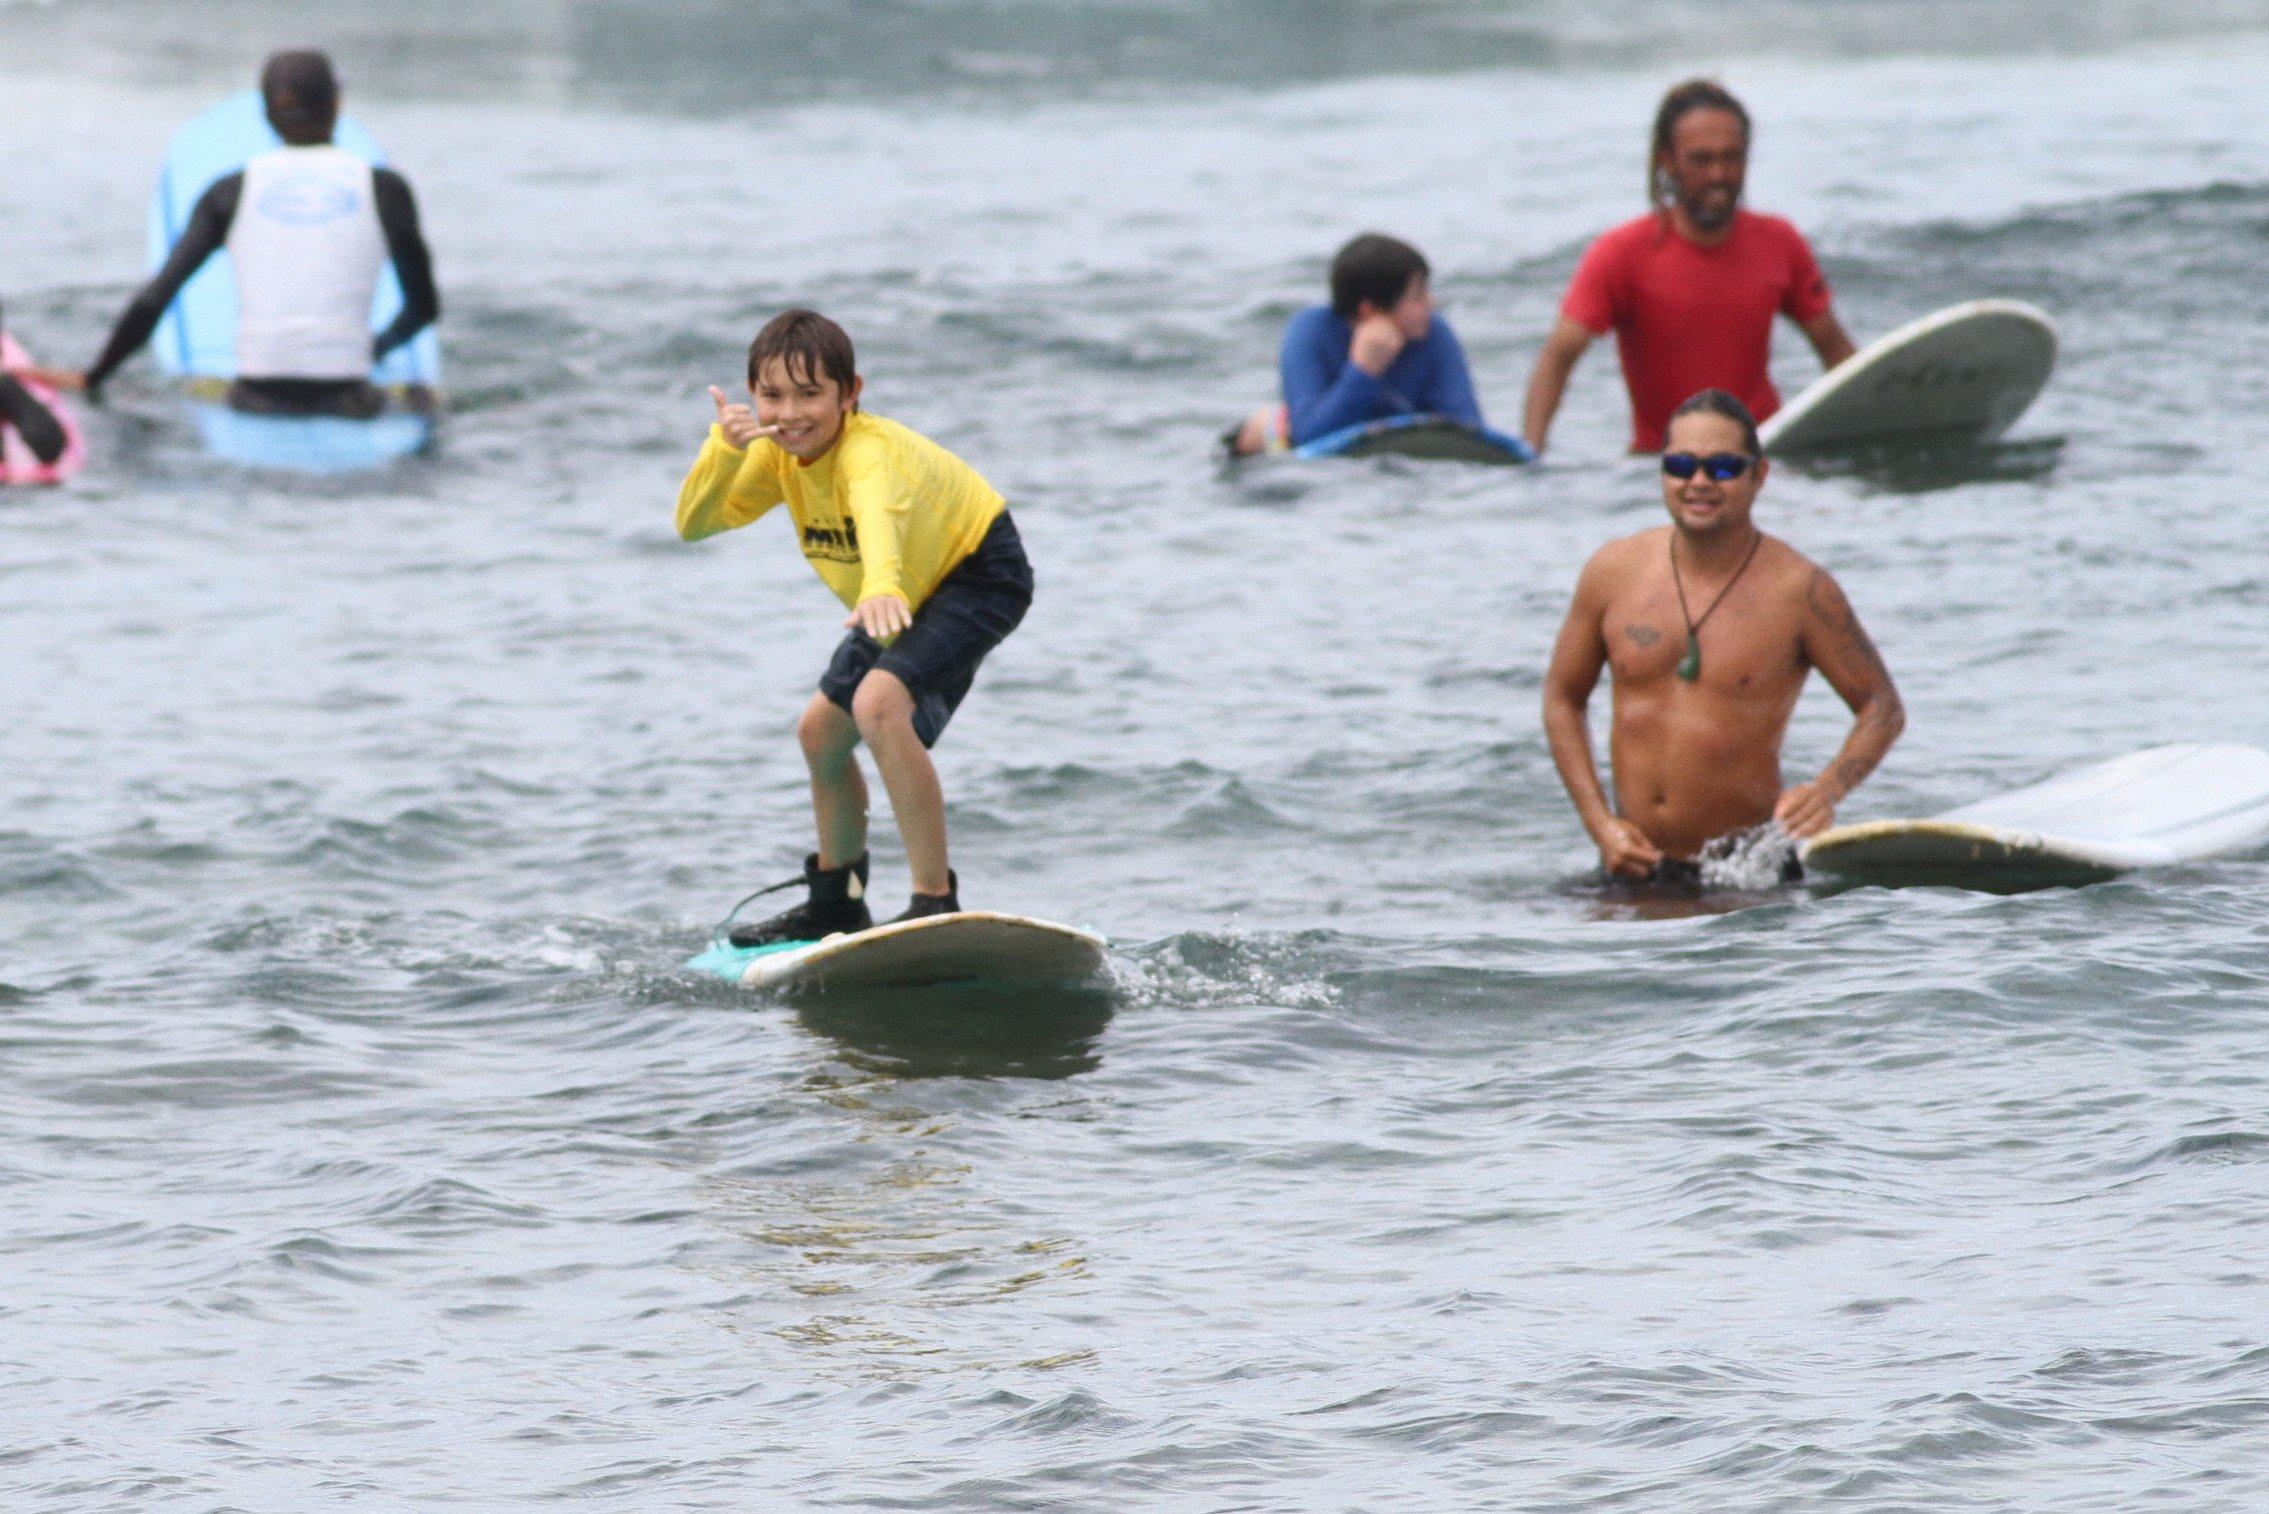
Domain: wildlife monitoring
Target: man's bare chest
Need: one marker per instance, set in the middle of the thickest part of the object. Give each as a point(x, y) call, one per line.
point(1751, 642)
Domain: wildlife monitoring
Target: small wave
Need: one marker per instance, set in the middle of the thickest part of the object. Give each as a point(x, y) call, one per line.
point(31, 865)
point(441, 1207)
point(2113, 257)
point(2153, 210)
point(1205, 967)
point(214, 1083)
point(416, 839)
point(1078, 780)
point(1230, 810)
point(2216, 1146)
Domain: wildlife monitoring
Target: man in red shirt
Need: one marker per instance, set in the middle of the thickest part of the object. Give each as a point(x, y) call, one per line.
point(1689, 289)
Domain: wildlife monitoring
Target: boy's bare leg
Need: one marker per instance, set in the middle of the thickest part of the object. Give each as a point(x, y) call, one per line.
point(885, 712)
point(838, 790)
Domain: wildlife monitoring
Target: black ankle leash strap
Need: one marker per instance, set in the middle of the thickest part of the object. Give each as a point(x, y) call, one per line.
point(724, 926)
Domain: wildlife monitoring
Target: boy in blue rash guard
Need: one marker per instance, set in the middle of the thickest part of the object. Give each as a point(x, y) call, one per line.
point(1378, 349)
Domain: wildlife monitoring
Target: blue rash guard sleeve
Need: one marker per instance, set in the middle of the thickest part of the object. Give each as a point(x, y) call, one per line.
point(1447, 388)
point(1324, 392)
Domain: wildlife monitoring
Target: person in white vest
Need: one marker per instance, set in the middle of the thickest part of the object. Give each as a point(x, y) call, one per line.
point(310, 228)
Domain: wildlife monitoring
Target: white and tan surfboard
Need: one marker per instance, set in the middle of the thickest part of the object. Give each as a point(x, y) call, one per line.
point(2154, 808)
point(1962, 374)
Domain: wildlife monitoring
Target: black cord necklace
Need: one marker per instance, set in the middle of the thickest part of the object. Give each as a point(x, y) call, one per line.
point(1690, 666)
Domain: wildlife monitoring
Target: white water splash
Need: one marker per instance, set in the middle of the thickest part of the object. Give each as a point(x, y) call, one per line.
point(1757, 858)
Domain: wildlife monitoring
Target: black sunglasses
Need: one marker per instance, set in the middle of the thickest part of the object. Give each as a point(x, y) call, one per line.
point(1723, 467)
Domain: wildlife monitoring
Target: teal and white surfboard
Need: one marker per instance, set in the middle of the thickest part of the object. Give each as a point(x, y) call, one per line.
point(969, 947)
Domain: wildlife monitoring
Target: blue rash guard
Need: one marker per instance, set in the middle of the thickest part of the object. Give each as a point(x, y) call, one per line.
point(1324, 392)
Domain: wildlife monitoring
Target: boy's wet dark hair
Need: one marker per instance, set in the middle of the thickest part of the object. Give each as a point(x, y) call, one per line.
point(1682, 101)
point(807, 344)
point(1375, 268)
point(1719, 402)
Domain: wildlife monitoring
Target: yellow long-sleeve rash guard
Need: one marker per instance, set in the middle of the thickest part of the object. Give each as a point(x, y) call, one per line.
point(883, 511)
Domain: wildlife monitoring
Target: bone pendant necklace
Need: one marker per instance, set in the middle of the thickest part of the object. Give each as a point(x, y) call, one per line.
point(1690, 666)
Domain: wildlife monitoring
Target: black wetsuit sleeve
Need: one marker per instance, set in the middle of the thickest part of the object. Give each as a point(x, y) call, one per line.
point(33, 421)
point(405, 243)
point(205, 235)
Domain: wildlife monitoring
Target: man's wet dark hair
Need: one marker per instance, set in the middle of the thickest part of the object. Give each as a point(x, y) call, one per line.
point(301, 94)
point(1718, 402)
point(809, 344)
point(1682, 101)
point(1375, 268)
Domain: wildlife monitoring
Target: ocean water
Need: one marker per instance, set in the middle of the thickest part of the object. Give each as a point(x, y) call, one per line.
point(361, 1145)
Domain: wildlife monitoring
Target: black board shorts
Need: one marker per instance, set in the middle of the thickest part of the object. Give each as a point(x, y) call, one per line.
point(340, 399)
point(967, 615)
point(348, 399)
point(1681, 875)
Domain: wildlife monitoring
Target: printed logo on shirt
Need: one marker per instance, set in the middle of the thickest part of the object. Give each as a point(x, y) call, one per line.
point(306, 200)
point(831, 543)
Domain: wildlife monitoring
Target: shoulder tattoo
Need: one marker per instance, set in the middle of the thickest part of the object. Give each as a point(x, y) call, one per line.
point(1832, 610)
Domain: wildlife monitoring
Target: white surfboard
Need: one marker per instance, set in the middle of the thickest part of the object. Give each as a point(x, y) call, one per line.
point(2165, 805)
point(972, 946)
point(1963, 374)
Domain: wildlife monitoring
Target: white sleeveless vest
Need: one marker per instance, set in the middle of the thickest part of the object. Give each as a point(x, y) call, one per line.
point(308, 251)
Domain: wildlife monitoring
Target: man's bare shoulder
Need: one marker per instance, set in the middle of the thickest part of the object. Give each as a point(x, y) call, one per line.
point(1789, 571)
point(1810, 590)
point(1617, 563)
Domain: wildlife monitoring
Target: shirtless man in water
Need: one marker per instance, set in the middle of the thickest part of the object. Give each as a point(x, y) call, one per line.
point(1708, 628)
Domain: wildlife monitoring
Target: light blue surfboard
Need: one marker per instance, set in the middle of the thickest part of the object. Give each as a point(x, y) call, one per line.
point(196, 339)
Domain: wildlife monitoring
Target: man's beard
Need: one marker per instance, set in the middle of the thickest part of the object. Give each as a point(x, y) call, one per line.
point(1708, 212)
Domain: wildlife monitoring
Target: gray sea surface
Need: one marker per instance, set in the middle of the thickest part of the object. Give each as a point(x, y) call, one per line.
point(362, 1145)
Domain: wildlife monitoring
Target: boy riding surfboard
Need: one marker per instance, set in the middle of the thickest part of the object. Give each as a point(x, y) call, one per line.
point(922, 551)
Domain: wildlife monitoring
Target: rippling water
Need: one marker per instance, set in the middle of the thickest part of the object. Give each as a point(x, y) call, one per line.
point(360, 1145)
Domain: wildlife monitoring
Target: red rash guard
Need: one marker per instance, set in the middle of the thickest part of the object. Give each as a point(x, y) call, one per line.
point(1690, 318)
